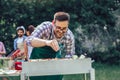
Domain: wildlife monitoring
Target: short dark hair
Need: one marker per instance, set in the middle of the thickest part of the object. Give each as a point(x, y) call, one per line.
point(61, 16)
point(30, 28)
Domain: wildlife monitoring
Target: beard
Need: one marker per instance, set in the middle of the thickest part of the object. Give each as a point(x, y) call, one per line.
point(20, 35)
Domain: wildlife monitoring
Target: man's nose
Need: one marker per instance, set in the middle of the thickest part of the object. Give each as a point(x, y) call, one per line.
point(60, 31)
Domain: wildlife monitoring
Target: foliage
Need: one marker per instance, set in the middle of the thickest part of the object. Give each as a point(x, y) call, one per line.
point(92, 21)
point(111, 57)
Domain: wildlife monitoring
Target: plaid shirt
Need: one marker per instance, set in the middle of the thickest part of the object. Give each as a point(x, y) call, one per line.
point(45, 31)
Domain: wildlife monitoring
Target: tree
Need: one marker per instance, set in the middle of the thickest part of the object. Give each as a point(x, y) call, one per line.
point(92, 21)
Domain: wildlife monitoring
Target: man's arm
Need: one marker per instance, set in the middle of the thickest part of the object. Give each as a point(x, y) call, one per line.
point(40, 31)
point(70, 46)
point(36, 42)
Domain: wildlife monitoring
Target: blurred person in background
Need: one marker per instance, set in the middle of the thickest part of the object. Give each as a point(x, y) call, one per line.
point(2, 49)
point(28, 48)
point(2, 54)
point(19, 41)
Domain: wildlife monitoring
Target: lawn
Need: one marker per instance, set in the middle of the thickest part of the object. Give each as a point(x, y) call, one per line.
point(107, 72)
point(102, 72)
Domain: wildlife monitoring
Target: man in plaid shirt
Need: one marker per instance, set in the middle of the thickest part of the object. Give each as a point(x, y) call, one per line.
point(48, 40)
point(54, 34)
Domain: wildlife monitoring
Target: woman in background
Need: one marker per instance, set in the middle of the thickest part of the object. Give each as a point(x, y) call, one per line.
point(2, 49)
point(28, 49)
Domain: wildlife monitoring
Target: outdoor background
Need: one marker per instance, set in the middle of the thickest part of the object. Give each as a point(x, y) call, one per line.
point(95, 24)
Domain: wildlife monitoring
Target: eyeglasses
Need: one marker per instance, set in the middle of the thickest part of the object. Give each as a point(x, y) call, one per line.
point(61, 29)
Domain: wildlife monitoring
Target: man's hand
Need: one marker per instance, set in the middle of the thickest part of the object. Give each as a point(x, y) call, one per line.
point(53, 44)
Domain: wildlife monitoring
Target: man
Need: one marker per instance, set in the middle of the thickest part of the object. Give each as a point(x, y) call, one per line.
point(50, 38)
point(54, 33)
point(19, 41)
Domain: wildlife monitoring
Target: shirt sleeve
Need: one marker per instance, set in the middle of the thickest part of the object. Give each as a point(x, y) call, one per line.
point(39, 32)
point(70, 45)
point(15, 44)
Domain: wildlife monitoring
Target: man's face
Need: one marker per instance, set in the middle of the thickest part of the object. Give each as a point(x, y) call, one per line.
point(20, 33)
point(27, 33)
point(60, 28)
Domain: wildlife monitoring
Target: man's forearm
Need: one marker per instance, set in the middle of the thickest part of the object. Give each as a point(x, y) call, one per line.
point(36, 42)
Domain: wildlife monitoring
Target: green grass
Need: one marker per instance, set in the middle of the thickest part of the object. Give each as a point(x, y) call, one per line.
point(107, 72)
point(102, 72)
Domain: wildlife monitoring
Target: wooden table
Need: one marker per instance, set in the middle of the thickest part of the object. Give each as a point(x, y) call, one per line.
point(58, 67)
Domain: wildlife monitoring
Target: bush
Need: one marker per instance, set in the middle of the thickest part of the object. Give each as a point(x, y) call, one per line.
point(112, 56)
point(90, 16)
